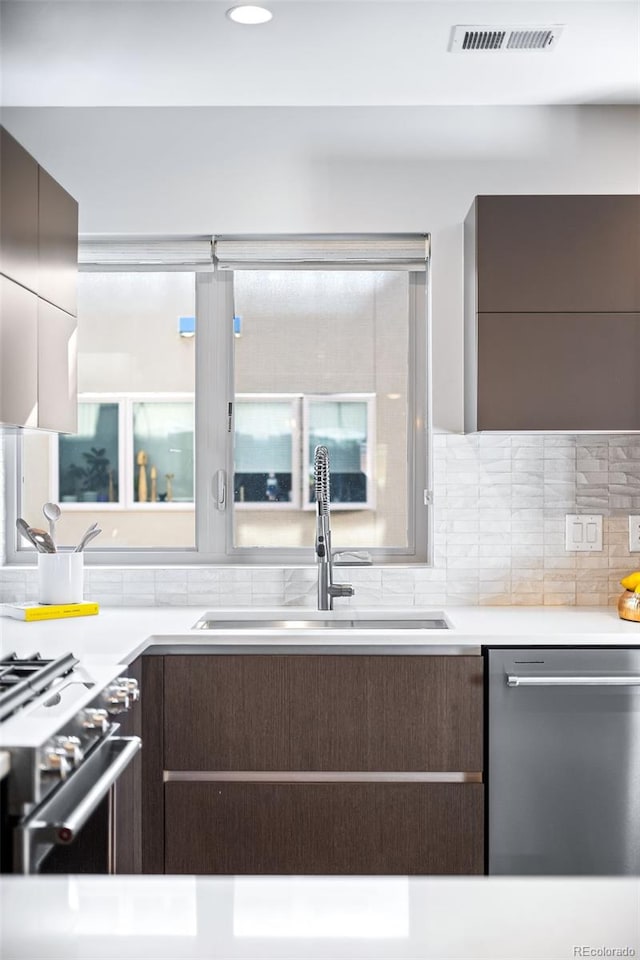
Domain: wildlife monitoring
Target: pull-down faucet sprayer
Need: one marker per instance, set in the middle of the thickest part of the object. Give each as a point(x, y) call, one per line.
point(327, 589)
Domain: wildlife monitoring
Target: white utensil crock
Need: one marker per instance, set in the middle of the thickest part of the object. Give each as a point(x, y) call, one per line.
point(61, 577)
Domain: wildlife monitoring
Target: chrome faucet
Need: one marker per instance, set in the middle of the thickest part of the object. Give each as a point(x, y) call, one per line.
point(327, 589)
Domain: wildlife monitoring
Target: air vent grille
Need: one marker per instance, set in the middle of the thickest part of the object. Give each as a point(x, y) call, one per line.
point(466, 39)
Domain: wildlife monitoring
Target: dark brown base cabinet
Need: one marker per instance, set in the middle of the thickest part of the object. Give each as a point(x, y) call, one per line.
point(313, 764)
point(324, 828)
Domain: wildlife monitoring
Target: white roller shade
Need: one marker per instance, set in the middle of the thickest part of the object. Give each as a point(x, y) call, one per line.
point(375, 252)
point(191, 252)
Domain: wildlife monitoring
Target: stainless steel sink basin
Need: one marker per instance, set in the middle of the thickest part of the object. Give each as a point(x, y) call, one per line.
point(209, 622)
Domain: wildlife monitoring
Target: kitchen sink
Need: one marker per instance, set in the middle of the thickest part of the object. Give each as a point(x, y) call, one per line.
point(436, 622)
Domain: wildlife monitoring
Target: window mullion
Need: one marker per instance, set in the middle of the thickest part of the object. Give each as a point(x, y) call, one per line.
point(214, 307)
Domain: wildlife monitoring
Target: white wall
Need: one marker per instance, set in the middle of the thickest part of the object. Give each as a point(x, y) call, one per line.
point(373, 169)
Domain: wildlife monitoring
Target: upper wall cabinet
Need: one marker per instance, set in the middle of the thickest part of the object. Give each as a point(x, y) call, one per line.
point(558, 254)
point(38, 273)
point(552, 313)
point(57, 244)
point(18, 213)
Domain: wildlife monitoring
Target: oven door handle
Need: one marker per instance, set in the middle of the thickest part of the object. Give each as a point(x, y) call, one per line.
point(61, 817)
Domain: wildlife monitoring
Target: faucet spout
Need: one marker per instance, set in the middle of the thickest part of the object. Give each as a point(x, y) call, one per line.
point(327, 589)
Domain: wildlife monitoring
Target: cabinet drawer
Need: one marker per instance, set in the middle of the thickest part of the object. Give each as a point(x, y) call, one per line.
point(352, 828)
point(323, 712)
point(547, 371)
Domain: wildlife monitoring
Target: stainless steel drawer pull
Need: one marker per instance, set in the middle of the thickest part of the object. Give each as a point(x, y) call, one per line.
point(320, 776)
point(627, 680)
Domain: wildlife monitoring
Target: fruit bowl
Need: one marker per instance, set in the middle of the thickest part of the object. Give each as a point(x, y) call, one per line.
point(629, 605)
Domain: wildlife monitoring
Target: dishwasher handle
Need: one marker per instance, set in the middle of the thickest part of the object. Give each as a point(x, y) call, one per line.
point(585, 680)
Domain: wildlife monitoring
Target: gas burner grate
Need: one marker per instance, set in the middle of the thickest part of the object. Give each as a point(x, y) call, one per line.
point(23, 678)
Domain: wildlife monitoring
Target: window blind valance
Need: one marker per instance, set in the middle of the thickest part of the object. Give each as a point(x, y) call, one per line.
point(375, 252)
point(191, 252)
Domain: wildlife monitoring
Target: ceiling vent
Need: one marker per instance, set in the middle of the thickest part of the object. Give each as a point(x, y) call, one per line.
point(467, 39)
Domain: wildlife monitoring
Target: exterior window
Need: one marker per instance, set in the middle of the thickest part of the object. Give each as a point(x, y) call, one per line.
point(136, 402)
point(209, 370)
point(89, 461)
point(273, 464)
point(345, 427)
point(163, 443)
point(340, 339)
point(265, 453)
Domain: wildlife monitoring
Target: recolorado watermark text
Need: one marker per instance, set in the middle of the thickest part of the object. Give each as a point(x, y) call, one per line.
point(604, 952)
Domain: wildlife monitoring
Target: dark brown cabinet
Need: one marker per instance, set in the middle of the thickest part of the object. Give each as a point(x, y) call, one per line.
point(323, 712)
point(18, 354)
point(552, 313)
point(38, 268)
point(57, 369)
point(558, 371)
point(57, 244)
point(313, 763)
point(128, 791)
point(325, 828)
point(558, 254)
point(18, 213)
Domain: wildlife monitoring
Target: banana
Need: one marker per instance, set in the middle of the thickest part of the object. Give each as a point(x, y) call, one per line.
point(631, 581)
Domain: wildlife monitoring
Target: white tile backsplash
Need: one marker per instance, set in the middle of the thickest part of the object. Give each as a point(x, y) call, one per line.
point(500, 502)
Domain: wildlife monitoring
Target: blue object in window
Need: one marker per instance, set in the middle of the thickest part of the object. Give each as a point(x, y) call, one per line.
point(187, 327)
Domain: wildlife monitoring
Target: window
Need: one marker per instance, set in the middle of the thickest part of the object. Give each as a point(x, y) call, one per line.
point(200, 448)
point(136, 377)
point(274, 441)
point(130, 451)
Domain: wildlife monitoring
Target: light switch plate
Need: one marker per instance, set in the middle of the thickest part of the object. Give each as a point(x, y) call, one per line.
point(634, 534)
point(583, 531)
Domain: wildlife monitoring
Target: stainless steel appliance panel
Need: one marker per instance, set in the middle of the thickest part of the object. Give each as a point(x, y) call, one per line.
point(564, 761)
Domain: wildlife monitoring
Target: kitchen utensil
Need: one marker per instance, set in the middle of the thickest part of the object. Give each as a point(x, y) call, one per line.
point(52, 513)
point(89, 535)
point(93, 526)
point(24, 528)
point(42, 539)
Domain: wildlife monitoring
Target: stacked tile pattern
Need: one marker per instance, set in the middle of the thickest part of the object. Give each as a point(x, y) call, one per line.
point(499, 525)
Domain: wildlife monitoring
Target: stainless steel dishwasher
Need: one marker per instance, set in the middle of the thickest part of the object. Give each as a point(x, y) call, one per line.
point(564, 761)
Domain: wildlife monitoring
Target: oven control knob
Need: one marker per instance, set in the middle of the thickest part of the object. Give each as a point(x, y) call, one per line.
point(117, 700)
point(131, 686)
point(96, 720)
point(71, 748)
point(54, 760)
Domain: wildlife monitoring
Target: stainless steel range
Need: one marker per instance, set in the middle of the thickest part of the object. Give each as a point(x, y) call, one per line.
point(56, 722)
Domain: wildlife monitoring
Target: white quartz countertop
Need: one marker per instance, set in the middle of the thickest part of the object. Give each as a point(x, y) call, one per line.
point(120, 634)
point(399, 918)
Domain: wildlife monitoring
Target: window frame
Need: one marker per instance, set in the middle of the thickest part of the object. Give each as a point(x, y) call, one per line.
point(369, 399)
point(213, 478)
point(125, 402)
point(293, 400)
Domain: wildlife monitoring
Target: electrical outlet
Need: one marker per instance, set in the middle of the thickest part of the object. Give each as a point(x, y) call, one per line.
point(583, 531)
point(634, 534)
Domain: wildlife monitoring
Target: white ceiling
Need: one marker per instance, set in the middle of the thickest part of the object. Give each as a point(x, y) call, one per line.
point(314, 52)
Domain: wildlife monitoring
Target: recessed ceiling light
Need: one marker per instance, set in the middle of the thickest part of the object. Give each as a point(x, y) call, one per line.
point(248, 14)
